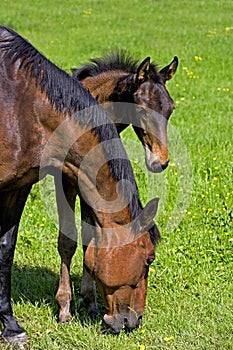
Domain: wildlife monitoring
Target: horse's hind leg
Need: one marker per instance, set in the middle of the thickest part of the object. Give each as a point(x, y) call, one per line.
point(11, 207)
point(67, 243)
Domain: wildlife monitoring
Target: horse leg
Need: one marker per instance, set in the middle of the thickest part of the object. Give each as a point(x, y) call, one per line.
point(88, 288)
point(88, 292)
point(11, 207)
point(67, 243)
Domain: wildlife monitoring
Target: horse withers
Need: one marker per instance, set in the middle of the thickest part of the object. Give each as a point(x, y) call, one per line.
point(50, 124)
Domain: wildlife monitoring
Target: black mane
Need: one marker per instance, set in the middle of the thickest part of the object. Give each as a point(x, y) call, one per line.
point(68, 95)
point(118, 60)
point(64, 93)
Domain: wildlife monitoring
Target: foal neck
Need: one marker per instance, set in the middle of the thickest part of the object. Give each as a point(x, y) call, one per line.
point(103, 85)
point(108, 87)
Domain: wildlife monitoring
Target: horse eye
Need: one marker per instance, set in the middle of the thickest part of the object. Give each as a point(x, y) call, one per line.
point(150, 261)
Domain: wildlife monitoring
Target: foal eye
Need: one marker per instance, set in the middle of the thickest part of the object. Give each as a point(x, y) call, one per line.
point(150, 261)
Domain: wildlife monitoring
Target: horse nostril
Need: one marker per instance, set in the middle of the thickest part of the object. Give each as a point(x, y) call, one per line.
point(140, 319)
point(164, 166)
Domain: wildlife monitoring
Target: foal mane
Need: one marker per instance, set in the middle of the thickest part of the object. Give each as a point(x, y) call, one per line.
point(68, 95)
point(118, 60)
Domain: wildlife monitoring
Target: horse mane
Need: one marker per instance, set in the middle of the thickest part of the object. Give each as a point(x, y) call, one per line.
point(65, 94)
point(118, 60)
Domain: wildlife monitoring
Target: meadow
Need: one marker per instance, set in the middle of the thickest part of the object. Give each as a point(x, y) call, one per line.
point(190, 290)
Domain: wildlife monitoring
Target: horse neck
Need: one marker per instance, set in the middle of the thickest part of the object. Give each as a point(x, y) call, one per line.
point(76, 152)
point(98, 187)
point(103, 85)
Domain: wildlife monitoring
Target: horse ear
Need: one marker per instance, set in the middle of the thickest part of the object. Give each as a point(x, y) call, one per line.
point(169, 71)
point(148, 214)
point(143, 70)
point(80, 73)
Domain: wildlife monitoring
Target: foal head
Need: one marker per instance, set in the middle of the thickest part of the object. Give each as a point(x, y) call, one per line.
point(157, 106)
point(119, 78)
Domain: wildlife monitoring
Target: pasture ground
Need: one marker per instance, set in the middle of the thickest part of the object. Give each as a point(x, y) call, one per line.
point(189, 301)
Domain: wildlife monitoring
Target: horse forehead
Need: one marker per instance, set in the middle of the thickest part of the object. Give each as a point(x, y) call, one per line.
point(152, 88)
point(154, 95)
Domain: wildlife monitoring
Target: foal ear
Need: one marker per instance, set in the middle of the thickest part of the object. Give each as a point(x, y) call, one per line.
point(148, 214)
point(169, 71)
point(143, 70)
point(80, 73)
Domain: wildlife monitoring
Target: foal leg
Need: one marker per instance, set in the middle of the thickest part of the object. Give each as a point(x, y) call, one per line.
point(88, 288)
point(67, 243)
point(11, 207)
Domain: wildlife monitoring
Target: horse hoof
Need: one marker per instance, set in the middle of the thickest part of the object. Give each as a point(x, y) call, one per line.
point(93, 313)
point(64, 318)
point(18, 341)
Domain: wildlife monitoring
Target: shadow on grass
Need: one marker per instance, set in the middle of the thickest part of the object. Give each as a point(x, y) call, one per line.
point(38, 285)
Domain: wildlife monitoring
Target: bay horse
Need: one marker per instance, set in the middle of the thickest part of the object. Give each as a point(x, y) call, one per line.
point(132, 93)
point(50, 124)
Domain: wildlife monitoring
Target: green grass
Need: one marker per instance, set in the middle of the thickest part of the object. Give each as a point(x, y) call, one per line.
point(189, 301)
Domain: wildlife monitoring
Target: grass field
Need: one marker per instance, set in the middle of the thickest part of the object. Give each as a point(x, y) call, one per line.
point(189, 301)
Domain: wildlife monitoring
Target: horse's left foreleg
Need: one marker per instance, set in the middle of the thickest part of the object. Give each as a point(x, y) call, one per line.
point(11, 207)
point(67, 243)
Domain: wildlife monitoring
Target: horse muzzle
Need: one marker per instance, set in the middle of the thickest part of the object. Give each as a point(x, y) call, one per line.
point(153, 163)
point(157, 167)
point(117, 323)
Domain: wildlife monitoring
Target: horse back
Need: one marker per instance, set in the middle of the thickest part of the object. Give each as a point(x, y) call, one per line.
point(20, 129)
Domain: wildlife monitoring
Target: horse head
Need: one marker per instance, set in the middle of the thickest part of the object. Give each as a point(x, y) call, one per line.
point(121, 270)
point(144, 100)
point(150, 122)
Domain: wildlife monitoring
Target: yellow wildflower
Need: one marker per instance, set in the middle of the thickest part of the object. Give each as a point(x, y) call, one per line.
point(197, 58)
point(151, 270)
point(167, 339)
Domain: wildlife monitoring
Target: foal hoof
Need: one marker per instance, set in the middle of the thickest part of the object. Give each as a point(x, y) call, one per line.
point(64, 318)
